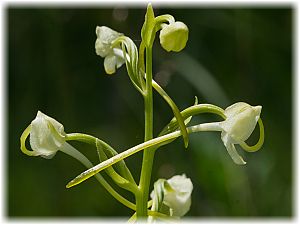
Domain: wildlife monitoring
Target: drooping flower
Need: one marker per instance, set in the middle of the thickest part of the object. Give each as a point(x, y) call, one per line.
point(174, 36)
point(176, 193)
point(240, 121)
point(238, 126)
point(113, 57)
point(46, 136)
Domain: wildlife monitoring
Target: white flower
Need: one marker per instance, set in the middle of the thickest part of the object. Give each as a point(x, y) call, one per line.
point(113, 56)
point(238, 126)
point(46, 136)
point(177, 194)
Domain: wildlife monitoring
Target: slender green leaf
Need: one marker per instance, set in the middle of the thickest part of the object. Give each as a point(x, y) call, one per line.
point(105, 152)
point(148, 26)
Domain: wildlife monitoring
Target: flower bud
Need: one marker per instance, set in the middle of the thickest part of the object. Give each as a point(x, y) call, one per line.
point(46, 135)
point(173, 37)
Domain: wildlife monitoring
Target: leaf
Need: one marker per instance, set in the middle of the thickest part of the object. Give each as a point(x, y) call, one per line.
point(148, 26)
point(176, 112)
point(105, 152)
point(174, 125)
point(119, 180)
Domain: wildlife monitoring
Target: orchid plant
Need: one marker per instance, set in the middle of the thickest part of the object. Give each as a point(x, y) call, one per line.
point(170, 198)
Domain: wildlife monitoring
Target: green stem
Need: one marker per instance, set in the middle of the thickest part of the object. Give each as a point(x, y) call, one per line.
point(148, 156)
point(70, 150)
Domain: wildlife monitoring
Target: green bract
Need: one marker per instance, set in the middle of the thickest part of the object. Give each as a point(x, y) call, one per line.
point(148, 29)
point(173, 37)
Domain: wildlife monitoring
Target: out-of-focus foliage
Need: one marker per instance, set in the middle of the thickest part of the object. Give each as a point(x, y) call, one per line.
point(233, 54)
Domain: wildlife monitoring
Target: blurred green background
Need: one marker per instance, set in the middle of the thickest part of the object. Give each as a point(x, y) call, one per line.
point(233, 54)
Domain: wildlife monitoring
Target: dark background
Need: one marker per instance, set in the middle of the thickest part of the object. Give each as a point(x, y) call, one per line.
point(237, 53)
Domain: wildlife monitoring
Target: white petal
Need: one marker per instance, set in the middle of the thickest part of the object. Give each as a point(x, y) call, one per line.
point(42, 139)
point(241, 121)
point(235, 108)
point(102, 49)
point(105, 36)
point(179, 198)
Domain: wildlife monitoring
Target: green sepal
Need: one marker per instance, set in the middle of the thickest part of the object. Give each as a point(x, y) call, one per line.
point(158, 195)
point(148, 29)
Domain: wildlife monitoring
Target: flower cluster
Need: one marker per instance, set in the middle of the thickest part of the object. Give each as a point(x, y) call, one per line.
point(170, 197)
